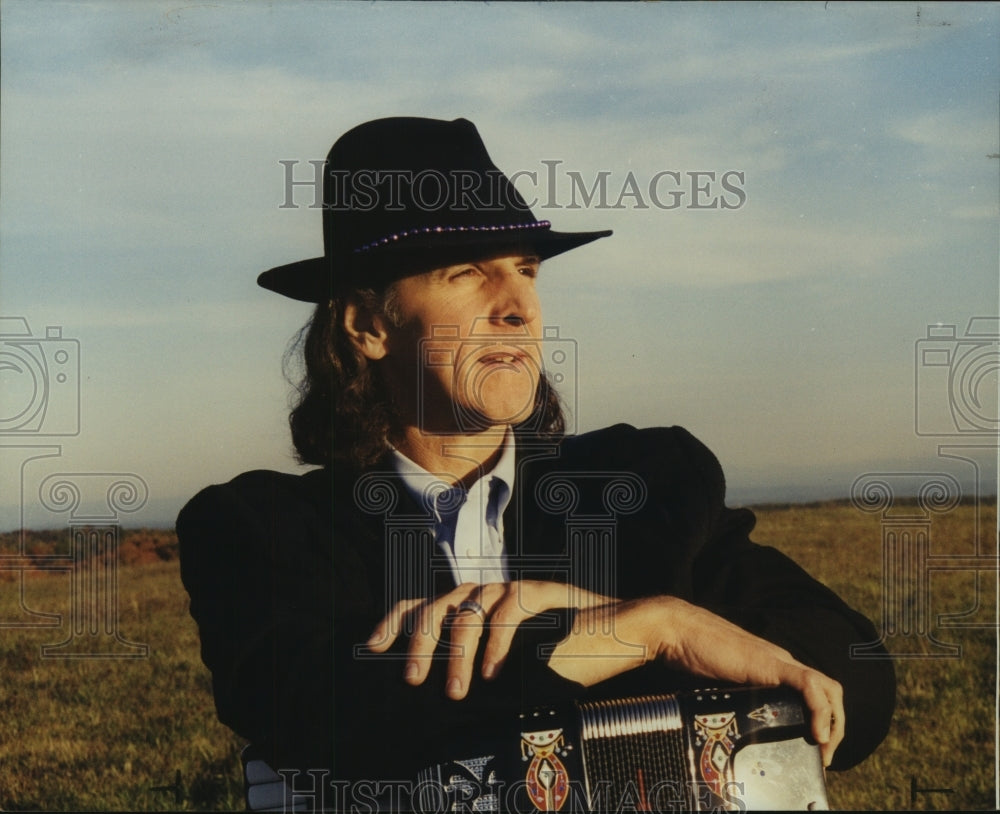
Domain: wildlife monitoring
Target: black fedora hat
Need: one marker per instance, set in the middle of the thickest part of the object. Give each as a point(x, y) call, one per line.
point(404, 195)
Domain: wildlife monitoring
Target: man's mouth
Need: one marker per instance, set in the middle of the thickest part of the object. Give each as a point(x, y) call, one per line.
point(499, 358)
point(502, 357)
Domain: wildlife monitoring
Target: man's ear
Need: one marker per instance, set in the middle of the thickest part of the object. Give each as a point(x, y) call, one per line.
point(367, 329)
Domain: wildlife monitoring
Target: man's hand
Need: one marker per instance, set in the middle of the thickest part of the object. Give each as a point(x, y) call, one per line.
point(505, 606)
point(608, 638)
point(696, 641)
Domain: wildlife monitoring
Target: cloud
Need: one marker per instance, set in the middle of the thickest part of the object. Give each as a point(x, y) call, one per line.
point(141, 188)
point(950, 140)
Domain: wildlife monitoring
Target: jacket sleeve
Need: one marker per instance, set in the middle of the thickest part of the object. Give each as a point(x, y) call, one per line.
point(763, 591)
point(686, 542)
point(262, 608)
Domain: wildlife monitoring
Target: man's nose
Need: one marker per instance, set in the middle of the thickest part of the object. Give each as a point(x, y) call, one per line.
point(516, 301)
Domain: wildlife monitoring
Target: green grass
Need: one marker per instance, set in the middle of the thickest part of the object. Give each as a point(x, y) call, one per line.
point(112, 734)
point(141, 734)
point(943, 734)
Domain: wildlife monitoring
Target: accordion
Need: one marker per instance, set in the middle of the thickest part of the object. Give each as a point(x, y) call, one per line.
point(732, 749)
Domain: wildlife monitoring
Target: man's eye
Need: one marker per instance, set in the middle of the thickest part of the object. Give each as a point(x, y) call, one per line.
point(463, 273)
point(529, 271)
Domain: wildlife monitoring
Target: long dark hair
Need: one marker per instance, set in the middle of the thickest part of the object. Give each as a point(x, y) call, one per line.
point(344, 411)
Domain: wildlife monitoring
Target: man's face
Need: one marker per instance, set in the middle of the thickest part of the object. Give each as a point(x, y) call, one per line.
point(466, 355)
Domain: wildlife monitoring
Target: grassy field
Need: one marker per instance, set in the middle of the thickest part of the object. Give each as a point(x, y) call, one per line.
point(140, 733)
point(135, 734)
point(944, 731)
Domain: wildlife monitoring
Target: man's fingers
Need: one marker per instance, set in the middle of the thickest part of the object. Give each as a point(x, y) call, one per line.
point(465, 629)
point(423, 643)
point(508, 613)
point(462, 613)
point(388, 630)
point(825, 699)
point(836, 736)
point(837, 723)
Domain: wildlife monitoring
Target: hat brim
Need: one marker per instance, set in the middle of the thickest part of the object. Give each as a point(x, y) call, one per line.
point(318, 279)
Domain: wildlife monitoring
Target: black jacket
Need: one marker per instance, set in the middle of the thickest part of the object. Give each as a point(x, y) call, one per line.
point(288, 575)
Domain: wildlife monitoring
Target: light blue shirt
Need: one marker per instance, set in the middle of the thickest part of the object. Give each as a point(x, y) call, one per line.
point(468, 524)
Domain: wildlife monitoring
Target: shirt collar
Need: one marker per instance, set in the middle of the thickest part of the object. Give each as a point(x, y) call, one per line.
point(499, 480)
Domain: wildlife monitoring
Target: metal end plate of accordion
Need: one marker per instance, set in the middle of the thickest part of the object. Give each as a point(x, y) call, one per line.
point(738, 749)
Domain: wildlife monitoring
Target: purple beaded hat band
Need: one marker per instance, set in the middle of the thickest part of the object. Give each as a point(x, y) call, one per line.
point(441, 230)
point(406, 195)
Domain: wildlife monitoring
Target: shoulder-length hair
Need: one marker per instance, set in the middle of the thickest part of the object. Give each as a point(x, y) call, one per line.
point(344, 412)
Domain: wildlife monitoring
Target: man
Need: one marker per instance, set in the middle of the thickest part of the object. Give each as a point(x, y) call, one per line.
point(430, 578)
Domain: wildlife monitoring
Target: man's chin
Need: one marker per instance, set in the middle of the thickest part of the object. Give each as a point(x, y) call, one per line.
point(488, 424)
point(500, 419)
point(482, 415)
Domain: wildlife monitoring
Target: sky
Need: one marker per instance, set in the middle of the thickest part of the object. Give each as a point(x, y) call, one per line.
point(804, 198)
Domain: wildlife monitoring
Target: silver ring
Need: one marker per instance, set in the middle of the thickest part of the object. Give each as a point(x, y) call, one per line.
point(471, 606)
